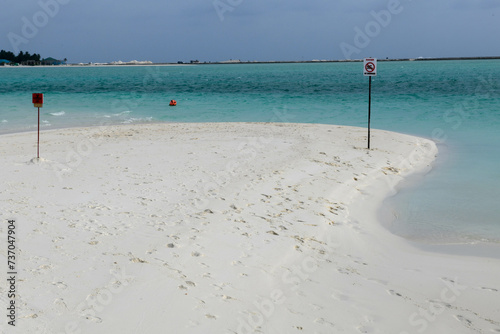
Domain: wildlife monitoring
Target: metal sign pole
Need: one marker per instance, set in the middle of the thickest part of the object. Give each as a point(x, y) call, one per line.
point(38, 103)
point(369, 108)
point(369, 70)
point(38, 140)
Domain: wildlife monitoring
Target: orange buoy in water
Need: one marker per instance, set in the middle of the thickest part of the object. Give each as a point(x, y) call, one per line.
point(173, 103)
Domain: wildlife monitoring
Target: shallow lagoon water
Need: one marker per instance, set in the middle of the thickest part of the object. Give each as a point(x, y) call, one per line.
point(455, 102)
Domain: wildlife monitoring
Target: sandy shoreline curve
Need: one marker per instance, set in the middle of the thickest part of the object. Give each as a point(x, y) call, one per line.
point(227, 228)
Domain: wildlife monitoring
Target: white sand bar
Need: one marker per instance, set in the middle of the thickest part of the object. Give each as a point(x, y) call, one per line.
point(227, 228)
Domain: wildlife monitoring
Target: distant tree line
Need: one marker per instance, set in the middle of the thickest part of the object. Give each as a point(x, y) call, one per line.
point(21, 57)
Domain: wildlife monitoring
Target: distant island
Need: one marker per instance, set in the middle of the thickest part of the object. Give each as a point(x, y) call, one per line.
point(237, 61)
point(8, 58)
point(25, 58)
point(232, 61)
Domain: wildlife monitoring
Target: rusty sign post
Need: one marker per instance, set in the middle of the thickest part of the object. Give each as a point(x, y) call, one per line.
point(38, 103)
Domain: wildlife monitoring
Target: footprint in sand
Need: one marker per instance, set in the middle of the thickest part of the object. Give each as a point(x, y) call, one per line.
point(60, 306)
point(440, 302)
point(394, 293)
point(224, 297)
point(60, 285)
point(364, 329)
point(446, 279)
point(366, 325)
point(136, 259)
point(466, 322)
point(94, 319)
point(322, 321)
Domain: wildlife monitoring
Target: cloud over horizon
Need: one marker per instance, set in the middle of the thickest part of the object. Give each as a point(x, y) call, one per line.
point(212, 30)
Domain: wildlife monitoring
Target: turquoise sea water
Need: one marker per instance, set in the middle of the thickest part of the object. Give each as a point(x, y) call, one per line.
point(459, 100)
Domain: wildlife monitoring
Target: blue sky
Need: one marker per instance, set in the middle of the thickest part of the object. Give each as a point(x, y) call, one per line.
point(215, 30)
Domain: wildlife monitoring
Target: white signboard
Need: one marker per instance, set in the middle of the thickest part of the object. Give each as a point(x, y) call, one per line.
point(370, 67)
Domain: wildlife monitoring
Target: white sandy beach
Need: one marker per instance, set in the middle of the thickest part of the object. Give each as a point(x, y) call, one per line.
point(226, 228)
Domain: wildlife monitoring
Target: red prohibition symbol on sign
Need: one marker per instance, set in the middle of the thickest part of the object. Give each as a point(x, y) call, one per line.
point(370, 67)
